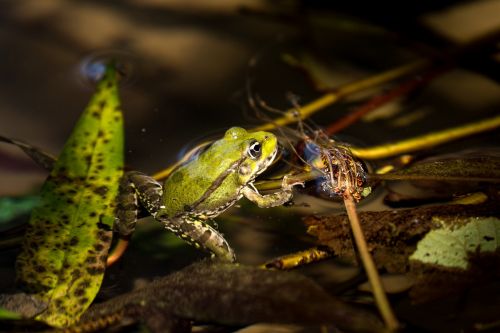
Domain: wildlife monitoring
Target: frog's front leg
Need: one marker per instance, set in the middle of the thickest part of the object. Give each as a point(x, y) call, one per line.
point(137, 188)
point(273, 199)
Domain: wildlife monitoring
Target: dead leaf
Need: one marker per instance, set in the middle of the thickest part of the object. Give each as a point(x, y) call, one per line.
point(447, 248)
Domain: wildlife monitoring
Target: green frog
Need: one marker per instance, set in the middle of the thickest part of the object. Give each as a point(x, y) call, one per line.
point(203, 188)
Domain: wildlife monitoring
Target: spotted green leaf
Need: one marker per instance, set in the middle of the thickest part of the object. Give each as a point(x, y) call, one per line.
point(69, 233)
point(451, 246)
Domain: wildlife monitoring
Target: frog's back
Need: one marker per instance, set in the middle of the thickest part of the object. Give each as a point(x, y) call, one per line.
point(207, 185)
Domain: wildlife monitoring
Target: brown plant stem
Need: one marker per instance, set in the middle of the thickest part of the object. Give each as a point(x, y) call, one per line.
point(380, 100)
point(294, 115)
point(371, 270)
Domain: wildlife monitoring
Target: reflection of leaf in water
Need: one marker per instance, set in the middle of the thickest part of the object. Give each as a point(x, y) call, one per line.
point(444, 177)
point(452, 247)
point(235, 295)
point(472, 167)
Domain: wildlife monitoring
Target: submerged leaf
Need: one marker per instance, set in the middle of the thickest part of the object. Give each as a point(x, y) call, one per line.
point(451, 246)
point(446, 247)
point(13, 207)
point(392, 235)
point(235, 295)
point(68, 237)
point(461, 254)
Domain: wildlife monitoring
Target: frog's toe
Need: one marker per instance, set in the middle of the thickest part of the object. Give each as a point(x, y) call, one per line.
point(228, 258)
point(224, 252)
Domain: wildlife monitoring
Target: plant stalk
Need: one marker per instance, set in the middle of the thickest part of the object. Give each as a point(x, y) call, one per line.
point(371, 270)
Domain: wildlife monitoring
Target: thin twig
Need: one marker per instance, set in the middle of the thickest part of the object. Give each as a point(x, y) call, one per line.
point(378, 291)
point(294, 115)
point(379, 100)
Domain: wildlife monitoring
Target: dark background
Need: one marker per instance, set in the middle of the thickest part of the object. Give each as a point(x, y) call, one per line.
point(190, 65)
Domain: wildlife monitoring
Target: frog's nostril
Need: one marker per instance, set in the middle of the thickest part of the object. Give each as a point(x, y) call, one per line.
point(266, 137)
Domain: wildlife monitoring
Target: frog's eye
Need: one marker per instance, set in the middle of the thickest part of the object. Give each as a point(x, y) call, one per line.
point(254, 150)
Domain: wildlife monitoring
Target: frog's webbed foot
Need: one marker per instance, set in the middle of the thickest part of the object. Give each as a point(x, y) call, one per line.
point(201, 235)
point(135, 187)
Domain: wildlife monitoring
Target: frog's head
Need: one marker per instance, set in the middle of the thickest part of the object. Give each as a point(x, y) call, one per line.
point(257, 151)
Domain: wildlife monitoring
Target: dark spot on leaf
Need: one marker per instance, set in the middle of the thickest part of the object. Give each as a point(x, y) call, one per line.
point(40, 269)
point(101, 190)
point(103, 237)
point(488, 238)
point(84, 284)
point(73, 241)
point(79, 292)
point(90, 260)
point(76, 274)
point(95, 270)
point(33, 246)
point(103, 226)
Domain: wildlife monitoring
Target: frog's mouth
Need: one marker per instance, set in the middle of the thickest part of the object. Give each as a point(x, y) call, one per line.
point(267, 161)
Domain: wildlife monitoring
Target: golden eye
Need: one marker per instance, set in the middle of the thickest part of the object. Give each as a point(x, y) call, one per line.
point(254, 150)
